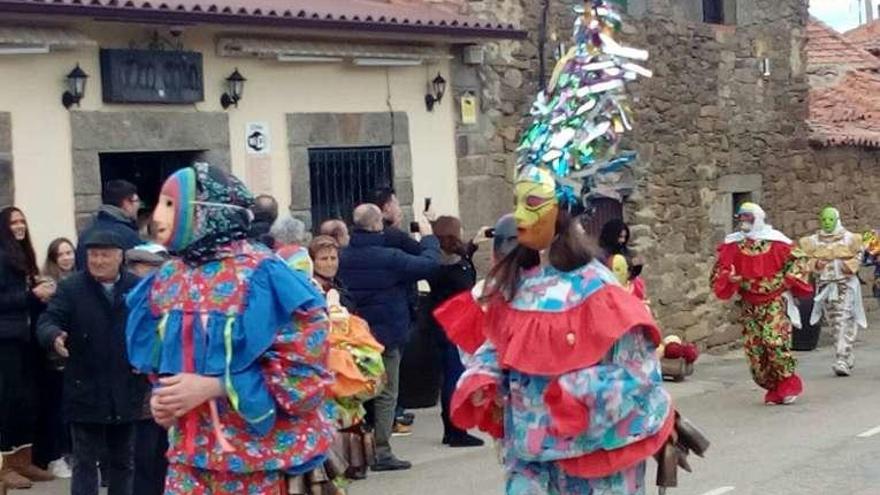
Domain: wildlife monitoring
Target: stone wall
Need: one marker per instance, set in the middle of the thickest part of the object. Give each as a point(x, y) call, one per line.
point(94, 133)
point(711, 129)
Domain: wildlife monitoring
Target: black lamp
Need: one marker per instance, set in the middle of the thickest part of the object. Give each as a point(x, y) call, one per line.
point(439, 87)
point(76, 83)
point(234, 90)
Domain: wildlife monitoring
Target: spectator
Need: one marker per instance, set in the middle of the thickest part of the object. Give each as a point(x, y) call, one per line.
point(455, 275)
point(291, 238)
point(52, 443)
point(379, 278)
point(337, 230)
point(324, 252)
point(60, 260)
point(20, 294)
point(145, 259)
point(118, 214)
point(151, 440)
point(85, 323)
point(392, 219)
point(265, 212)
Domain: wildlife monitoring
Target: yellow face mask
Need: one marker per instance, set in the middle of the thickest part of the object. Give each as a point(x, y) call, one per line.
point(536, 208)
point(620, 268)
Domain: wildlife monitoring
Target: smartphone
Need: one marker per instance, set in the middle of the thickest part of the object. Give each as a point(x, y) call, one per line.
point(427, 204)
point(414, 228)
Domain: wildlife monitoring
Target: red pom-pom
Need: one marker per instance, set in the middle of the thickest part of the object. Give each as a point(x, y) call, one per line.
point(691, 353)
point(673, 350)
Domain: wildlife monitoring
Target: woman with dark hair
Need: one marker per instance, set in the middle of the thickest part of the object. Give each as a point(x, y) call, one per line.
point(60, 259)
point(614, 238)
point(613, 241)
point(456, 274)
point(21, 295)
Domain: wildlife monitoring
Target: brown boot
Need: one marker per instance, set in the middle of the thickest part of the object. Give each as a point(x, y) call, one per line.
point(12, 480)
point(22, 463)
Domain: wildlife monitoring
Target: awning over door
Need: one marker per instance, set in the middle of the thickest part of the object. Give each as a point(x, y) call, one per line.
point(321, 51)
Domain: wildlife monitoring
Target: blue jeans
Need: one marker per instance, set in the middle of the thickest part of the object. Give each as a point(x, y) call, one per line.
point(111, 443)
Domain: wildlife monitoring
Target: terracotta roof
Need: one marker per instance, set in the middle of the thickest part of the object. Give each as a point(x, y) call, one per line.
point(828, 48)
point(384, 16)
point(847, 113)
point(866, 36)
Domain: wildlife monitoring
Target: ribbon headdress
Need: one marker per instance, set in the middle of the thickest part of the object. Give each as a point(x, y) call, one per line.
point(580, 118)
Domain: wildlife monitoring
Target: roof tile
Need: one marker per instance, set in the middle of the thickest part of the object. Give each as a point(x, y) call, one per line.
point(847, 113)
point(410, 15)
point(826, 47)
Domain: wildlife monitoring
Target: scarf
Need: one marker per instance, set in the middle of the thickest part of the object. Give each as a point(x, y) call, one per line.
point(211, 212)
point(760, 231)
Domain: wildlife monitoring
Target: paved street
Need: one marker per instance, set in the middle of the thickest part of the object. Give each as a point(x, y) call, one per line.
point(809, 448)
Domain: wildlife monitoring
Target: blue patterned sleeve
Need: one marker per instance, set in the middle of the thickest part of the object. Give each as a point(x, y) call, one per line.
point(625, 389)
point(289, 374)
point(142, 329)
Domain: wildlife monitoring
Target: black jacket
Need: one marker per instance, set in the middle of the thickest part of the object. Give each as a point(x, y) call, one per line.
point(16, 302)
point(112, 219)
point(379, 279)
point(99, 385)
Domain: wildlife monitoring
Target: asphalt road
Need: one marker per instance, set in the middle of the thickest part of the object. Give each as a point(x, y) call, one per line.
point(812, 447)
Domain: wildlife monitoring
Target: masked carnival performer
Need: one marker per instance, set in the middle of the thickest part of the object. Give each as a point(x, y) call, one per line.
point(835, 257)
point(237, 341)
point(568, 375)
point(764, 267)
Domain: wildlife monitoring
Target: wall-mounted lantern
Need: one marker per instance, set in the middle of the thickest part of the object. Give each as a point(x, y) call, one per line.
point(76, 87)
point(765, 67)
point(234, 90)
point(438, 86)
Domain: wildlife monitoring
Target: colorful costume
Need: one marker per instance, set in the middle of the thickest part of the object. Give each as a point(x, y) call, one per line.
point(763, 266)
point(568, 374)
point(569, 378)
point(230, 309)
point(835, 257)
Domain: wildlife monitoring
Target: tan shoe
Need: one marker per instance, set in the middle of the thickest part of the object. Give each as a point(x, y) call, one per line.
point(13, 481)
point(22, 463)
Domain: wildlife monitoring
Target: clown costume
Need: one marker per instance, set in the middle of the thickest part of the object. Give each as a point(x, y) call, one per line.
point(763, 266)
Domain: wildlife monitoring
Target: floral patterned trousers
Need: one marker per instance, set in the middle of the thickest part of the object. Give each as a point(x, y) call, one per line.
point(767, 341)
point(188, 480)
point(547, 478)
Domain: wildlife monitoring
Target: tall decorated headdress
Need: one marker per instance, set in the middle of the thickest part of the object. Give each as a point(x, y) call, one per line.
point(578, 121)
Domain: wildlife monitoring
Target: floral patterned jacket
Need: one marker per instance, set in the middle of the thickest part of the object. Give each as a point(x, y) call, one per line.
point(259, 327)
point(568, 374)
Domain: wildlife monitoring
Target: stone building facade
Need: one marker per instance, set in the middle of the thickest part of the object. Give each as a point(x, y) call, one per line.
point(722, 121)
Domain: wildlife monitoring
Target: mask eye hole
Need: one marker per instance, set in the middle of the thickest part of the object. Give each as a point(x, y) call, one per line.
point(169, 203)
point(535, 201)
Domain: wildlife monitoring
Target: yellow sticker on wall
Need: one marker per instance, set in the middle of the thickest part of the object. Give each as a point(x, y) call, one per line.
point(468, 108)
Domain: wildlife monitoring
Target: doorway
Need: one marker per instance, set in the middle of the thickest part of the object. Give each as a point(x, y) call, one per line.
point(147, 171)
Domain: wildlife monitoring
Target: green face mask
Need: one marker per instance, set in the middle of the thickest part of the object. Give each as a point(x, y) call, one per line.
point(828, 219)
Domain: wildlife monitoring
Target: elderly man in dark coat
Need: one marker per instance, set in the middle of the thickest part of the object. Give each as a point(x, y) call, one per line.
point(85, 323)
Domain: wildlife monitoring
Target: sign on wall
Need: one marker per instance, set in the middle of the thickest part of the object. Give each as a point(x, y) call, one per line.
point(258, 161)
point(257, 138)
point(152, 76)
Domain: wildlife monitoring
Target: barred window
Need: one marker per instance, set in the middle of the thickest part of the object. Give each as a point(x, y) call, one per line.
point(342, 178)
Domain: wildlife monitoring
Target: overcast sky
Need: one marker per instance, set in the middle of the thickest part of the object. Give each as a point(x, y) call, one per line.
point(840, 14)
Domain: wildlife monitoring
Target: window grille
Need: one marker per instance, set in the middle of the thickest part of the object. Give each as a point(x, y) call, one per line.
point(342, 178)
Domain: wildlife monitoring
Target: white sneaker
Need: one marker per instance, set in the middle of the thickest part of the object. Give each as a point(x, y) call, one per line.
point(60, 469)
point(841, 369)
